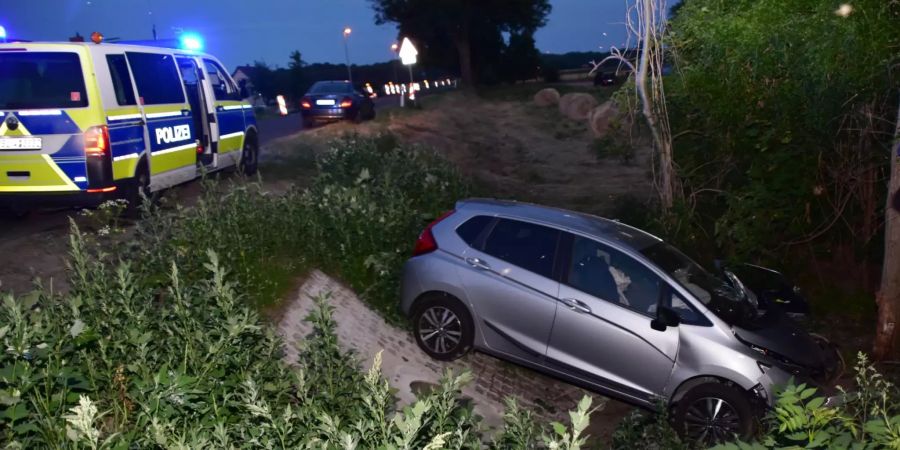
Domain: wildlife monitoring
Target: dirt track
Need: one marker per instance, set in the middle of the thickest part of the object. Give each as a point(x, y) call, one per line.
point(516, 150)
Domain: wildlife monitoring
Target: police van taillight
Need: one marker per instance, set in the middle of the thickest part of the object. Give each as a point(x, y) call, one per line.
point(98, 151)
point(96, 141)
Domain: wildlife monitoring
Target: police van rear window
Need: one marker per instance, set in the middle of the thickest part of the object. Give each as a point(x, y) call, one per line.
point(40, 80)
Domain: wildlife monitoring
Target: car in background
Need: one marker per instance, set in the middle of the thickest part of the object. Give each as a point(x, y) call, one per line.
point(329, 101)
point(610, 308)
point(605, 79)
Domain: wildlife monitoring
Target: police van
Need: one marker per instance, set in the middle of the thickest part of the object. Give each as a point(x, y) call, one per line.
point(81, 123)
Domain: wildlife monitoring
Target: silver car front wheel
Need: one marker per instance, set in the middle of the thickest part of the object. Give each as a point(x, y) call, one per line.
point(709, 420)
point(713, 413)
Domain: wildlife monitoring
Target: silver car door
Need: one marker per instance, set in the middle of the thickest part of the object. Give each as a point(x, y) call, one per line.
point(511, 286)
point(602, 331)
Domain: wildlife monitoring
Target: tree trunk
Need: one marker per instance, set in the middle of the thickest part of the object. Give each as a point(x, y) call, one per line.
point(649, 70)
point(464, 48)
point(887, 335)
point(463, 41)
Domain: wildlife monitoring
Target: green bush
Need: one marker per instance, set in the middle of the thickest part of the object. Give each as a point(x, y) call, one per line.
point(358, 220)
point(868, 418)
point(783, 113)
point(112, 365)
point(643, 430)
point(368, 204)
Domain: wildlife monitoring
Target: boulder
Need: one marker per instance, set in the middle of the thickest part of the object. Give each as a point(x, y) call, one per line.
point(601, 117)
point(577, 106)
point(546, 97)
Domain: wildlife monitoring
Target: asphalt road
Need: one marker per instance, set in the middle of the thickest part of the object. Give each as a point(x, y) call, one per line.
point(277, 127)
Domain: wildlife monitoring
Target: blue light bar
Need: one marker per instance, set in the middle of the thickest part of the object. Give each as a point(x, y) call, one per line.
point(2, 33)
point(191, 41)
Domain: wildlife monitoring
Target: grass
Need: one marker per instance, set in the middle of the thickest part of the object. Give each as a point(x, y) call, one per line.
point(525, 91)
point(428, 101)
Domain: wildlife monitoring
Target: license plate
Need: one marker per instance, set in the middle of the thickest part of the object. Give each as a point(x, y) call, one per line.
point(325, 102)
point(20, 143)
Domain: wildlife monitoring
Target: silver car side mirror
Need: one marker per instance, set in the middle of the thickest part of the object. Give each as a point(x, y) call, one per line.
point(665, 317)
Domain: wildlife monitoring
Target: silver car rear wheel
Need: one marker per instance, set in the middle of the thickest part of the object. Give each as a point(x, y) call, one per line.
point(440, 329)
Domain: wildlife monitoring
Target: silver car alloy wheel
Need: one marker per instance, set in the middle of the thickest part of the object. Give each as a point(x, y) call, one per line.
point(711, 420)
point(440, 329)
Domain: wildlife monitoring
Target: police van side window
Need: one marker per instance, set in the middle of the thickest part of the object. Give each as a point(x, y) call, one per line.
point(118, 71)
point(156, 77)
point(222, 86)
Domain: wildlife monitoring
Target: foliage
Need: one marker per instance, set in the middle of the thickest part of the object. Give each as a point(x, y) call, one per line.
point(465, 36)
point(550, 73)
point(780, 110)
point(520, 430)
point(647, 431)
point(358, 220)
point(368, 205)
point(113, 365)
point(520, 59)
point(869, 417)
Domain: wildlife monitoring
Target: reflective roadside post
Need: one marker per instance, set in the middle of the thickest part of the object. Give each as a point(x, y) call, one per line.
point(408, 54)
point(282, 106)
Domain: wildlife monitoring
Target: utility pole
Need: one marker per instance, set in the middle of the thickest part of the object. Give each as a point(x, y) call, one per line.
point(347, 32)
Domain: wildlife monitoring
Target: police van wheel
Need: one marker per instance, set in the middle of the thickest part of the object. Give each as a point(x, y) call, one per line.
point(137, 191)
point(15, 213)
point(249, 157)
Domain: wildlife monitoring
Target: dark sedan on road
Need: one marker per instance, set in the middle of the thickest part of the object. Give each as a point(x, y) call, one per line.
point(335, 100)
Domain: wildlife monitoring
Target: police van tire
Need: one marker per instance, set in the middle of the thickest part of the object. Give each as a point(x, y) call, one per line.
point(15, 213)
point(140, 184)
point(250, 156)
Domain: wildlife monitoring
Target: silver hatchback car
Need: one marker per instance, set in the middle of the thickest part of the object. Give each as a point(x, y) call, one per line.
point(608, 307)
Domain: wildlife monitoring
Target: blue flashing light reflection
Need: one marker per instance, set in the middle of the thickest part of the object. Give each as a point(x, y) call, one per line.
point(191, 42)
point(2, 33)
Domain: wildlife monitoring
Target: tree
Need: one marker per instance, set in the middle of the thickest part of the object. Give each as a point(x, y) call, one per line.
point(646, 20)
point(263, 79)
point(521, 58)
point(465, 32)
point(296, 86)
point(887, 334)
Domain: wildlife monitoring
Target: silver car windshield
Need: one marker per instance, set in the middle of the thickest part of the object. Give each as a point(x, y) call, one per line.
point(724, 300)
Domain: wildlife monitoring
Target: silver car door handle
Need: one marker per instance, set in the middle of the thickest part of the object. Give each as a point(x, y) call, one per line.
point(475, 262)
point(576, 305)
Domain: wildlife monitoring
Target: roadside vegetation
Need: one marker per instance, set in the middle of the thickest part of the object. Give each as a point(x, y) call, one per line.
point(783, 115)
point(159, 342)
point(357, 220)
point(191, 365)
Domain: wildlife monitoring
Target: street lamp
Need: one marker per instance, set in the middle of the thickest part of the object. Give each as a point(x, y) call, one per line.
point(347, 32)
point(394, 48)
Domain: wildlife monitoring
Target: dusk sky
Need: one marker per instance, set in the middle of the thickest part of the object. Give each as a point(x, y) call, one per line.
point(241, 31)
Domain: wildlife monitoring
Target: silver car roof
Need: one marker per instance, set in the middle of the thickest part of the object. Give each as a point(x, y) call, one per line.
point(587, 224)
